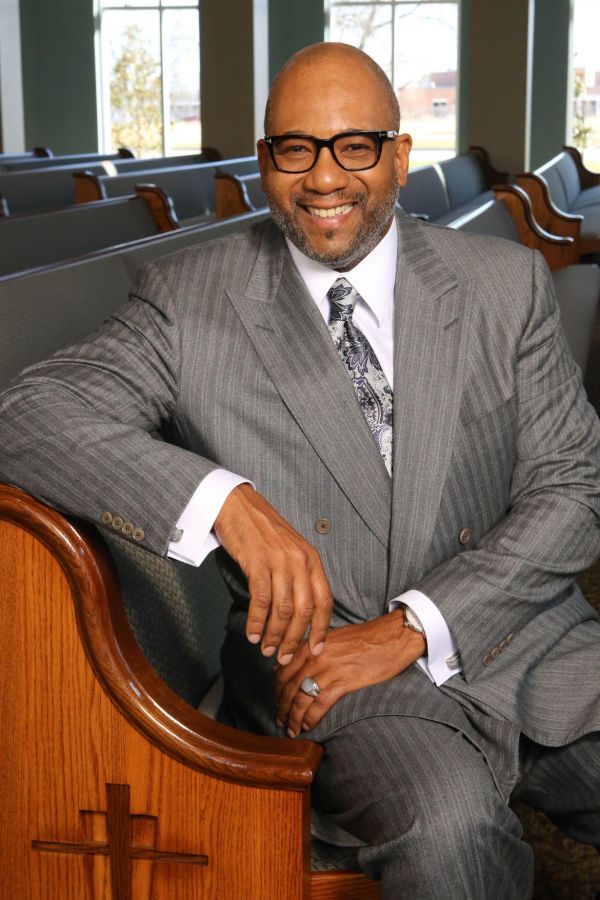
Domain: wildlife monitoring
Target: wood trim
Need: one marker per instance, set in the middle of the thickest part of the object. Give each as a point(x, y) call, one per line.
point(558, 251)
point(587, 178)
point(138, 692)
point(161, 206)
point(231, 196)
point(492, 175)
point(547, 215)
point(88, 187)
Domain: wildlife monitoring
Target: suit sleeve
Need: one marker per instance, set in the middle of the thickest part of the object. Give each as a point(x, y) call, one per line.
point(551, 531)
point(76, 430)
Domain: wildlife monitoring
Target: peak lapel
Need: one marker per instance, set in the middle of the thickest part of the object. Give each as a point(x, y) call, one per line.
point(294, 345)
point(432, 314)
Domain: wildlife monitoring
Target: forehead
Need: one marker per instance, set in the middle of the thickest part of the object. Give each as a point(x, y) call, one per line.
point(328, 96)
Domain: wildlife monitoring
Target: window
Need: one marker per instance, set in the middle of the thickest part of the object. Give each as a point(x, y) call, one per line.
point(149, 75)
point(585, 124)
point(416, 44)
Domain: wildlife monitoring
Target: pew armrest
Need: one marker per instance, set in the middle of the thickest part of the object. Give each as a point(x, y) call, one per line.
point(587, 178)
point(88, 187)
point(491, 174)
point(558, 250)
point(231, 196)
point(547, 215)
point(161, 206)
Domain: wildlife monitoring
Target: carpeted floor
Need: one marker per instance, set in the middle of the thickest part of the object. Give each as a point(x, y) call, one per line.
point(564, 869)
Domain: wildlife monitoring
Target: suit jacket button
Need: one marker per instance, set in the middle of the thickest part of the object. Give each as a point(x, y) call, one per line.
point(495, 652)
point(503, 645)
point(486, 660)
point(465, 536)
point(106, 518)
point(117, 522)
point(323, 525)
point(509, 637)
point(138, 534)
point(127, 528)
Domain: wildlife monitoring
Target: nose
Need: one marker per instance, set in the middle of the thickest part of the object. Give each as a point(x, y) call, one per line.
point(326, 175)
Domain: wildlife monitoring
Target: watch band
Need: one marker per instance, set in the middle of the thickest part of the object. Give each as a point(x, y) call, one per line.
point(412, 621)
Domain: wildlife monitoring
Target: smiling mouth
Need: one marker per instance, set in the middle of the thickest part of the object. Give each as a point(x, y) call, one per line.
point(329, 213)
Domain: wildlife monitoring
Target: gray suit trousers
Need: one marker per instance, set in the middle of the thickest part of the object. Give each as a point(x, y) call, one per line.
point(422, 798)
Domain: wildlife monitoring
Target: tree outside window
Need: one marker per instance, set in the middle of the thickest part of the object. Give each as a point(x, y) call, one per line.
point(149, 62)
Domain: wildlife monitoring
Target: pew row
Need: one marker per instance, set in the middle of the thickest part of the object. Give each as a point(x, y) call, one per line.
point(444, 191)
point(191, 188)
point(577, 286)
point(30, 241)
point(566, 198)
point(71, 159)
point(36, 189)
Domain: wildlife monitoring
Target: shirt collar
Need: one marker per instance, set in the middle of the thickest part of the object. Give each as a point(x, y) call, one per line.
point(374, 277)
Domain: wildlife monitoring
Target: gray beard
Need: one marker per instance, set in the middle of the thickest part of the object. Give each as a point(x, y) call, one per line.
point(366, 240)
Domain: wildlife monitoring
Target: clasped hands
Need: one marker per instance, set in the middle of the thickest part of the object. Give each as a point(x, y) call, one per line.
point(290, 594)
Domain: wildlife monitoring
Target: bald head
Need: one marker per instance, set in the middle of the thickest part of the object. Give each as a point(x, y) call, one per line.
point(325, 62)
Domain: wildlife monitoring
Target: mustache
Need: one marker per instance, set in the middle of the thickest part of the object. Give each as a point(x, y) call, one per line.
point(308, 198)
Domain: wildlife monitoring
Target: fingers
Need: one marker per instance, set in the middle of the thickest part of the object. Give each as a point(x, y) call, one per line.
point(289, 591)
point(298, 711)
point(301, 602)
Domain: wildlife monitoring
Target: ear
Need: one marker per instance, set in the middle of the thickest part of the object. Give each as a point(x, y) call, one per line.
point(403, 144)
point(264, 158)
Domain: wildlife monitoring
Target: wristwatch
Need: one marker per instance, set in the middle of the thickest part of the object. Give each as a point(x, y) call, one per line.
point(412, 621)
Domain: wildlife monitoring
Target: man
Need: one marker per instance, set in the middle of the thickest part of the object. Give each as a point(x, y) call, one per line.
point(425, 479)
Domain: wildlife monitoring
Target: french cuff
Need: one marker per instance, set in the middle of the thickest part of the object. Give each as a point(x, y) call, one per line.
point(193, 539)
point(442, 660)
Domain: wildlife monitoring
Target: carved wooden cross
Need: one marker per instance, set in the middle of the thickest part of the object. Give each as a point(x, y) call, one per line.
point(118, 845)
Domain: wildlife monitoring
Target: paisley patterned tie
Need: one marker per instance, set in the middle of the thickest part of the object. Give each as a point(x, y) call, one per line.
point(372, 389)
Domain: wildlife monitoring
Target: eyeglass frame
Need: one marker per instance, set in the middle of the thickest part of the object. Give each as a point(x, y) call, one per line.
point(380, 136)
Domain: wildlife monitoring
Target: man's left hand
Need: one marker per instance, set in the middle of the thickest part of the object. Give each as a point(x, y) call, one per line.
point(354, 657)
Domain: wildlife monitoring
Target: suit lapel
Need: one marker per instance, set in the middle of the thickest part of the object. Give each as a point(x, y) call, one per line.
point(430, 340)
point(293, 343)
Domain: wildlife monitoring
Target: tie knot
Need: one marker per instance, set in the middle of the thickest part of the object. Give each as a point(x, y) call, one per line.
point(342, 297)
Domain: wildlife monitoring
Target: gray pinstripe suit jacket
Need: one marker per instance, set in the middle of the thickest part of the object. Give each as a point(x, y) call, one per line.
point(491, 431)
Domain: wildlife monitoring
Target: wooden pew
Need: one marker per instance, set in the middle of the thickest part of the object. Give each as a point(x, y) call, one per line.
point(47, 307)
point(566, 198)
point(577, 286)
point(28, 241)
point(191, 188)
point(444, 191)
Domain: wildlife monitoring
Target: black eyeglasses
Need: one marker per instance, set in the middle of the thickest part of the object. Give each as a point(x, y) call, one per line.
point(352, 150)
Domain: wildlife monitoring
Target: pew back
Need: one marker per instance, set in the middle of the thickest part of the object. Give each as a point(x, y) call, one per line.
point(29, 241)
point(192, 188)
point(41, 189)
point(45, 309)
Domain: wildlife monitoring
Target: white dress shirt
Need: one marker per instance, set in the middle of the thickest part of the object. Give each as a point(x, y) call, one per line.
point(374, 279)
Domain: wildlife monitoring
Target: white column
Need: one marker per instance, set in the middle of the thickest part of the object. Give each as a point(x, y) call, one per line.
point(12, 120)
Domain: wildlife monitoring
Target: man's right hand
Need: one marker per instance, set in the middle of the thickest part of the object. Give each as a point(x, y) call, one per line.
point(288, 587)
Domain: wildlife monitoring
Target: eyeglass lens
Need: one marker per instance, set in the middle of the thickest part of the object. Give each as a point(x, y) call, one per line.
point(351, 151)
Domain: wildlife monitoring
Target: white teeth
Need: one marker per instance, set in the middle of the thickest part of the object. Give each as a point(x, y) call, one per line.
point(329, 213)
